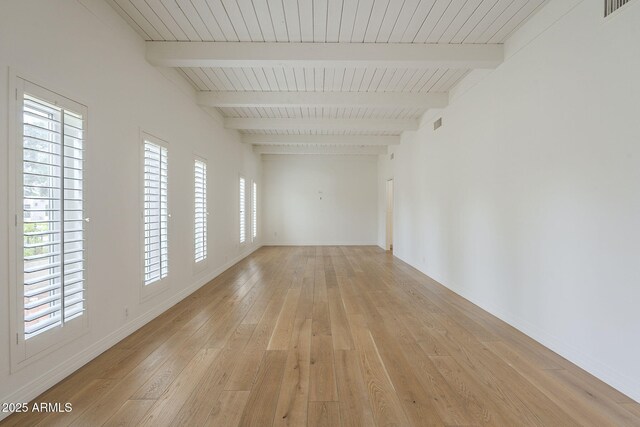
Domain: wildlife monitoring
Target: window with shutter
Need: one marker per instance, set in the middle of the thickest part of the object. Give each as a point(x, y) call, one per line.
point(51, 238)
point(254, 211)
point(156, 214)
point(200, 220)
point(243, 226)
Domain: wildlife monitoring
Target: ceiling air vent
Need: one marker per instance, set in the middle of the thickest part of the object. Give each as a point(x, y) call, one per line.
point(611, 6)
point(437, 123)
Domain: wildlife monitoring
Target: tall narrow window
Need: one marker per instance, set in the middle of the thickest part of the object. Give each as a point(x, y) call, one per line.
point(156, 215)
point(52, 224)
point(200, 182)
point(254, 210)
point(243, 225)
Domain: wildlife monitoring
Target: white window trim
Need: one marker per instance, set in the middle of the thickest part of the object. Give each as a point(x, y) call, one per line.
point(202, 264)
point(242, 243)
point(153, 289)
point(20, 355)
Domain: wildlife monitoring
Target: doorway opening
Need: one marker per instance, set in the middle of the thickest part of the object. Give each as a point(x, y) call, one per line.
point(389, 242)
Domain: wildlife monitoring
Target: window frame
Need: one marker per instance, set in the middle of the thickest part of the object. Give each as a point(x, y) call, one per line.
point(154, 288)
point(199, 265)
point(24, 352)
point(240, 214)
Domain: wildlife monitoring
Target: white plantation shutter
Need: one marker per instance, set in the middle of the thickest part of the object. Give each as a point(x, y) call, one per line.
point(200, 175)
point(53, 211)
point(156, 215)
point(254, 211)
point(243, 226)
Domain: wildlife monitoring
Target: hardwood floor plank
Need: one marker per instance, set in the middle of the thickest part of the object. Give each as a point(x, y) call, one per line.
point(450, 408)
point(324, 414)
point(429, 344)
point(240, 337)
point(507, 385)
point(205, 325)
point(305, 304)
point(348, 295)
point(596, 399)
point(291, 409)
point(577, 406)
point(284, 326)
point(65, 389)
point(169, 403)
point(633, 408)
point(80, 401)
point(105, 405)
point(321, 319)
point(340, 332)
point(228, 411)
point(352, 392)
point(418, 401)
point(387, 409)
point(263, 398)
point(196, 409)
point(130, 414)
point(248, 362)
point(322, 383)
point(474, 393)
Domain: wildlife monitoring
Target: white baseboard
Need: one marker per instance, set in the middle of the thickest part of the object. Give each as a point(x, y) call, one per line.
point(602, 371)
point(57, 373)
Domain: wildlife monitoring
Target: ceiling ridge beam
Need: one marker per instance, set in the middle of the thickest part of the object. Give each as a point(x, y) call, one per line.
point(320, 149)
point(377, 125)
point(323, 55)
point(249, 99)
point(346, 140)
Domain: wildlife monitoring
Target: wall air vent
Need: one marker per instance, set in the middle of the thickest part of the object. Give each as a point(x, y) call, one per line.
point(611, 6)
point(437, 123)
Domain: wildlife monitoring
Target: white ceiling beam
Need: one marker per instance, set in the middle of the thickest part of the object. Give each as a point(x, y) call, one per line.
point(372, 125)
point(322, 99)
point(320, 139)
point(320, 149)
point(324, 55)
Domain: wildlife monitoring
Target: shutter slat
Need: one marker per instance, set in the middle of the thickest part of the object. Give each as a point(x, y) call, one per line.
point(37, 303)
point(42, 313)
point(40, 326)
point(34, 292)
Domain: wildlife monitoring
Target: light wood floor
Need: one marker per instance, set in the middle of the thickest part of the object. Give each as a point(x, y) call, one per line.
point(333, 336)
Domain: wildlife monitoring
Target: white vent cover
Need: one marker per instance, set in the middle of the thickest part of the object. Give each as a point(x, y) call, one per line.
point(611, 6)
point(437, 123)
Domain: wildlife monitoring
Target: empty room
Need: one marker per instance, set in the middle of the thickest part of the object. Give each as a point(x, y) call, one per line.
point(319, 213)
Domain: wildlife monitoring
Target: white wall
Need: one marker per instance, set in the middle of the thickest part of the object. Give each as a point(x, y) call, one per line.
point(527, 200)
point(84, 51)
point(320, 199)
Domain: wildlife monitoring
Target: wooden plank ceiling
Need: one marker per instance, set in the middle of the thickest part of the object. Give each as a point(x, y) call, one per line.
point(442, 22)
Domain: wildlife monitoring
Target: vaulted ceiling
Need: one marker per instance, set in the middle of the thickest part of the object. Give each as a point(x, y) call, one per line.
point(319, 76)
